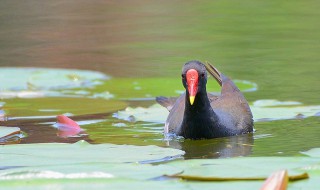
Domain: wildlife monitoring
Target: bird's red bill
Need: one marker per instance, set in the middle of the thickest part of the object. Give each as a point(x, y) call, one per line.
point(192, 82)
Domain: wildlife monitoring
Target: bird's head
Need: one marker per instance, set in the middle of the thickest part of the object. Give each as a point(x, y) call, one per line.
point(194, 79)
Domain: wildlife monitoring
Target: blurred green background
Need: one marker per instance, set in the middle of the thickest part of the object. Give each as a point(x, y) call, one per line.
point(273, 43)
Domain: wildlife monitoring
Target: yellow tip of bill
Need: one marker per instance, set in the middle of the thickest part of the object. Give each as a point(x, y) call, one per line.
point(191, 98)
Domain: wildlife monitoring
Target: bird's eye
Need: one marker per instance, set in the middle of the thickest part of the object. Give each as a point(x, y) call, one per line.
point(183, 76)
point(202, 75)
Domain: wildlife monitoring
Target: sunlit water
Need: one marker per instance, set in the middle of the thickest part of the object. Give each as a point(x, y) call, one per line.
point(273, 46)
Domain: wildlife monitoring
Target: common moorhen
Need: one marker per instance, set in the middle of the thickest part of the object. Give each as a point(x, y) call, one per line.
point(197, 114)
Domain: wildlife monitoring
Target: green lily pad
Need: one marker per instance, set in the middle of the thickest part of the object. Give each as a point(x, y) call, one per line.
point(89, 170)
point(18, 79)
point(315, 152)
point(55, 106)
point(10, 135)
point(2, 115)
point(242, 167)
point(90, 183)
point(130, 88)
point(250, 167)
point(6, 131)
point(82, 165)
point(154, 113)
point(277, 110)
point(80, 152)
point(42, 82)
point(39, 165)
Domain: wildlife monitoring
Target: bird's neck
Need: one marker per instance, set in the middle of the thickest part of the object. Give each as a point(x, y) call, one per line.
point(199, 119)
point(201, 102)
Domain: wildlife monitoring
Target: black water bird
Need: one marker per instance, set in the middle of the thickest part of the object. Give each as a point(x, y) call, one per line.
point(197, 114)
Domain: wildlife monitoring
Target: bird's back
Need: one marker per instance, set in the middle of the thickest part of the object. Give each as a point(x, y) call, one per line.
point(232, 108)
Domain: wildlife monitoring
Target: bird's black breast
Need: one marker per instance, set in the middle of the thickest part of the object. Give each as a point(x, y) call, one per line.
point(203, 125)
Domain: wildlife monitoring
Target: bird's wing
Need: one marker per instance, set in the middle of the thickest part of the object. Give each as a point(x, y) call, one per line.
point(231, 102)
point(175, 117)
point(166, 102)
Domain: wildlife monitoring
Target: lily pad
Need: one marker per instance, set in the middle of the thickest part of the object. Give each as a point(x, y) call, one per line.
point(90, 183)
point(55, 106)
point(315, 152)
point(250, 167)
point(80, 152)
point(82, 165)
point(6, 131)
point(2, 115)
point(276, 110)
point(242, 166)
point(154, 113)
point(69, 164)
point(42, 82)
point(132, 88)
point(18, 79)
point(10, 135)
point(91, 170)
point(83, 160)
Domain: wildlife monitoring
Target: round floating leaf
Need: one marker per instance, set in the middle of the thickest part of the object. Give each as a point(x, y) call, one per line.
point(250, 167)
point(276, 110)
point(315, 152)
point(10, 135)
point(154, 113)
point(241, 167)
point(82, 165)
point(90, 183)
point(18, 79)
point(80, 152)
point(89, 170)
point(69, 165)
point(7, 131)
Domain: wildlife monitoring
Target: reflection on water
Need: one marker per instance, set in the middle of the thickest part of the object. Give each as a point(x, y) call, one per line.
point(273, 44)
point(216, 148)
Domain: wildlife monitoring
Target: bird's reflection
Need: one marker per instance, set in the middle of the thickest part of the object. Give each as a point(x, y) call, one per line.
point(233, 146)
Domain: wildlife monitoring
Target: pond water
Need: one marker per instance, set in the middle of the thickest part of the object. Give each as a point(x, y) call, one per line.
point(103, 63)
